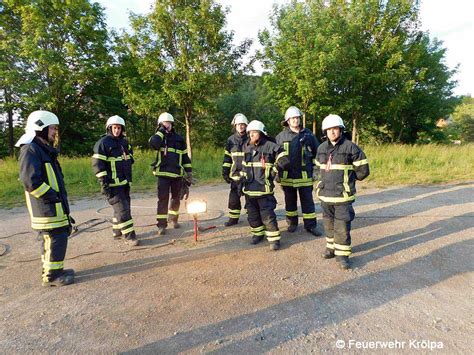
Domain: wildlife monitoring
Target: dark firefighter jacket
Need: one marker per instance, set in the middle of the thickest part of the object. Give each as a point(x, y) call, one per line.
point(261, 163)
point(112, 160)
point(45, 193)
point(301, 148)
point(234, 156)
point(340, 166)
point(172, 158)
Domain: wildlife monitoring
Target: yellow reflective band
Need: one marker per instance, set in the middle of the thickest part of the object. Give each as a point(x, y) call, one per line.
point(235, 178)
point(124, 224)
point(100, 157)
point(272, 234)
point(258, 233)
point(114, 226)
point(329, 240)
point(159, 134)
point(174, 150)
point(228, 165)
point(273, 239)
point(100, 174)
point(257, 229)
point(292, 213)
point(337, 167)
point(128, 230)
point(174, 213)
point(360, 162)
point(163, 173)
point(237, 154)
point(309, 215)
point(40, 191)
point(347, 189)
point(226, 152)
point(51, 177)
point(187, 166)
point(53, 265)
point(257, 164)
point(329, 245)
point(257, 193)
point(49, 226)
point(343, 247)
point(342, 253)
point(335, 199)
point(281, 155)
point(120, 183)
point(161, 216)
point(317, 163)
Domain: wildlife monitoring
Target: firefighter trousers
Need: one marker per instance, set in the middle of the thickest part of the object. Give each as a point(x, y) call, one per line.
point(337, 224)
point(262, 217)
point(122, 222)
point(307, 205)
point(234, 201)
point(53, 251)
point(165, 186)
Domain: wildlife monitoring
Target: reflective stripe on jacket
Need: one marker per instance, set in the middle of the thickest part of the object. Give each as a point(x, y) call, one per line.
point(45, 193)
point(234, 156)
point(301, 148)
point(340, 166)
point(112, 160)
point(172, 155)
point(261, 163)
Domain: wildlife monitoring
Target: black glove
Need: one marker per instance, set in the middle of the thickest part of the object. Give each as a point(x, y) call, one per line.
point(227, 179)
point(161, 129)
point(105, 189)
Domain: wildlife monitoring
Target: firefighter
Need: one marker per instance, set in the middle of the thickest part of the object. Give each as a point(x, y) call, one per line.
point(112, 164)
point(301, 146)
point(341, 163)
point(46, 196)
point(232, 166)
point(262, 160)
point(171, 167)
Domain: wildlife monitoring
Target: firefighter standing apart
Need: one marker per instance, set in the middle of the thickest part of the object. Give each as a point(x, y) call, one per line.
point(232, 166)
point(46, 196)
point(262, 160)
point(171, 166)
point(341, 163)
point(112, 163)
point(301, 146)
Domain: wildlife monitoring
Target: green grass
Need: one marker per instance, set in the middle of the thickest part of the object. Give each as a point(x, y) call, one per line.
point(389, 164)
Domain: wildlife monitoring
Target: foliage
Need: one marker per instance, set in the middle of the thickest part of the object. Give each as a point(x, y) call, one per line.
point(463, 118)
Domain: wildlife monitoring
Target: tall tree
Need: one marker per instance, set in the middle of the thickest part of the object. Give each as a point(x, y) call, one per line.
point(185, 54)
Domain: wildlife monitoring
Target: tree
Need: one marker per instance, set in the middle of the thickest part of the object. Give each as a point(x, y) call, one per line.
point(463, 118)
point(185, 57)
point(63, 51)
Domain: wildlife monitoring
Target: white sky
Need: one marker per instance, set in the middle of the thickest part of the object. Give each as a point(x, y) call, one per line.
point(451, 21)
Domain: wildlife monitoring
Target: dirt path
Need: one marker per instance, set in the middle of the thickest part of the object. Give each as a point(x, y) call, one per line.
point(412, 283)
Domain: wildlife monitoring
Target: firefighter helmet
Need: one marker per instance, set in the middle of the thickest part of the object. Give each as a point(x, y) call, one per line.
point(36, 122)
point(115, 120)
point(292, 111)
point(165, 117)
point(256, 126)
point(239, 118)
point(332, 121)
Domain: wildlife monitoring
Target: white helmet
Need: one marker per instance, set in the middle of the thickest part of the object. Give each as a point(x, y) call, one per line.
point(292, 111)
point(115, 120)
point(165, 117)
point(37, 121)
point(239, 118)
point(332, 121)
point(256, 126)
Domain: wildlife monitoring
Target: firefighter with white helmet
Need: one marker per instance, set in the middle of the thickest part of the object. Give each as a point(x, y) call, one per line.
point(262, 160)
point(112, 164)
point(46, 196)
point(340, 163)
point(232, 166)
point(301, 146)
point(172, 168)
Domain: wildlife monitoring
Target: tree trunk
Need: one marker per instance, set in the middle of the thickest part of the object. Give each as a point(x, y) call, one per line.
point(304, 119)
point(10, 123)
point(314, 126)
point(354, 128)
point(187, 117)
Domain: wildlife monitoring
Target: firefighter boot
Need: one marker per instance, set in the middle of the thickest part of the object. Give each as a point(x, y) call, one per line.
point(174, 223)
point(256, 239)
point(275, 245)
point(231, 222)
point(117, 234)
point(315, 231)
point(64, 279)
point(292, 225)
point(161, 230)
point(328, 254)
point(343, 262)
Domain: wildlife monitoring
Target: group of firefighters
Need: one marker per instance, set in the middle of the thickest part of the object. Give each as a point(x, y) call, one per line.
point(253, 162)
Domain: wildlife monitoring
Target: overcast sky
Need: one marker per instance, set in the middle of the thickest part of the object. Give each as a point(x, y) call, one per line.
point(451, 21)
